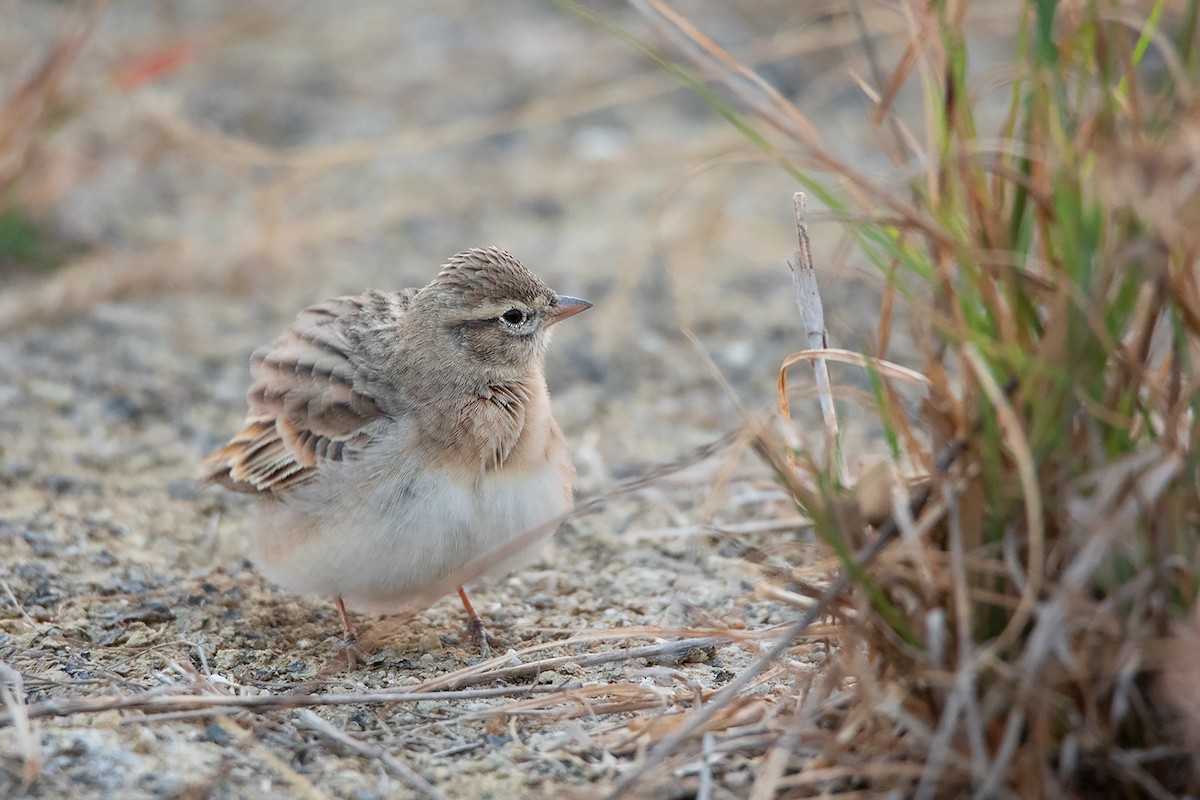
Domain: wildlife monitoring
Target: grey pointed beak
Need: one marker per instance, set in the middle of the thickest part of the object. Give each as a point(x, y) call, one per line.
point(564, 307)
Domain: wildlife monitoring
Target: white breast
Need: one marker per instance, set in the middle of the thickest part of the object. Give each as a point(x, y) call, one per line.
point(379, 535)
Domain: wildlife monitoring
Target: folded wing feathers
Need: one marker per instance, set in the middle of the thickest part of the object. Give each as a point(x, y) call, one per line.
point(307, 404)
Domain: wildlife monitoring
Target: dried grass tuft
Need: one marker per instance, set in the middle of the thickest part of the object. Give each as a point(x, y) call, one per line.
point(1013, 590)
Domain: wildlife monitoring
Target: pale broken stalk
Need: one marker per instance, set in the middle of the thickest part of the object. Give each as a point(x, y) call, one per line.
point(812, 315)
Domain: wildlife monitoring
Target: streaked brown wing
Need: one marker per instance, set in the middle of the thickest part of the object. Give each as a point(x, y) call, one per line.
point(309, 401)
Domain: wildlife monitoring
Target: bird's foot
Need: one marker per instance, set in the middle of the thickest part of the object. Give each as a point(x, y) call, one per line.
point(354, 654)
point(479, 636)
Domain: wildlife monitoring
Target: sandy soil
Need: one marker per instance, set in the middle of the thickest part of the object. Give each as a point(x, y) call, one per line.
point(304, 150)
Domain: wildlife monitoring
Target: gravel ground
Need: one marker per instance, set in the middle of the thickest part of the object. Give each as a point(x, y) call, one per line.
point(303, 150)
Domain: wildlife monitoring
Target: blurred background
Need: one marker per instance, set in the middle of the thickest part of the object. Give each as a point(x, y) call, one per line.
point(204, 170)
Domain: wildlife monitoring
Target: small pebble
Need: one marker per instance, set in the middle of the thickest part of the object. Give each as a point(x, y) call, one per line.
point(736, 781)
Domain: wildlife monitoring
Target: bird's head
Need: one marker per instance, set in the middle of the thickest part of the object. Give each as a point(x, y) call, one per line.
point(485, 306)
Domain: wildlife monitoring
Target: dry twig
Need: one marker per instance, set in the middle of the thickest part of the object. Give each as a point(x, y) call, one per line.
point(219, 703)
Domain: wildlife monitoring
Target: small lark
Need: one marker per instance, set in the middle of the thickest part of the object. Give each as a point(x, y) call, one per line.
point(396, 437)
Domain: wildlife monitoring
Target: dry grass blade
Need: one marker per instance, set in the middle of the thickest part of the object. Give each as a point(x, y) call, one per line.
point(887, 369)
point(721, 65)
point(767, 782)
point(679, 642)
point(594, 702)
point(12, 693)
point(812, 315)
point(12, 598)
point(665, 650)
point(219, 703)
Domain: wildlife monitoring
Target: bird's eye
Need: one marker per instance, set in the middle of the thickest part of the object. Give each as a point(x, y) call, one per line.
point(514, 316)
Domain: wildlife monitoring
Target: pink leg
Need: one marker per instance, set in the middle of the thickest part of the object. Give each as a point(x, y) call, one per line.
point(475, 627)
point(349, 634)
